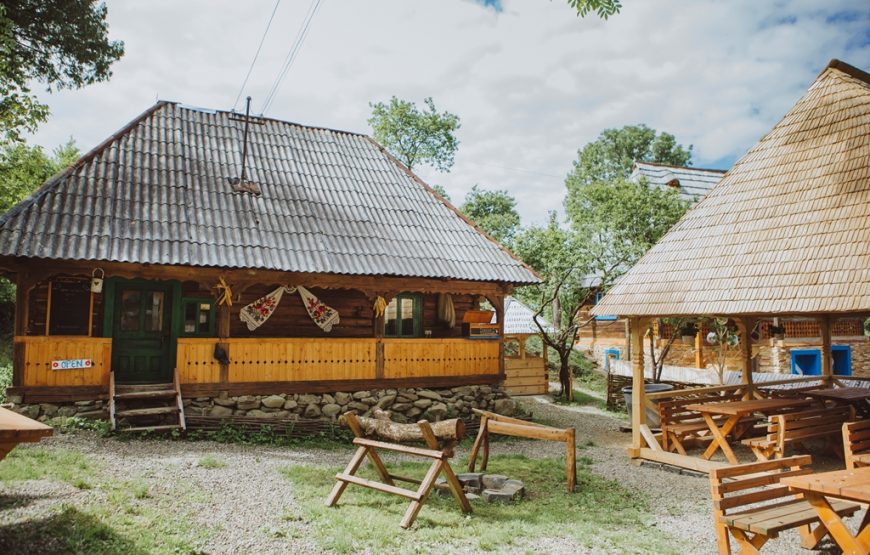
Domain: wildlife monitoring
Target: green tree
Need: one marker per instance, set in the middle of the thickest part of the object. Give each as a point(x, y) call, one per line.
point(612, 154)
point(62, 44)
point(604, 8)
point(495, 212)
point(22, 169)
point(441, 191)
point(416, 136)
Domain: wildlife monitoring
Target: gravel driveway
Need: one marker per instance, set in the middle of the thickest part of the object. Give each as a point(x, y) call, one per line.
point(239, 505)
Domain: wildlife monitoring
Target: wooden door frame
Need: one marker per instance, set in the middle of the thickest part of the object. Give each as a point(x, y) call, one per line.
point(174, 289)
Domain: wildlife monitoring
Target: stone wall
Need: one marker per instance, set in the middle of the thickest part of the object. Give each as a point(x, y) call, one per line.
point(407, 405)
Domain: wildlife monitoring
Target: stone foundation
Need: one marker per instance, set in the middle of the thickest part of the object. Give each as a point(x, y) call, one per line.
point(407, 405)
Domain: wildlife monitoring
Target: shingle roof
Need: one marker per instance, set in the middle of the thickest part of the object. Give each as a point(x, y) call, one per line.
point(519, 319)
point(158, 192)
point(786, 231)
point(694, 183)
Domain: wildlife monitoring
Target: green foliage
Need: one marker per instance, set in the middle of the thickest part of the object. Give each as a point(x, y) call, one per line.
point(211, 463)
point(604, 8)
point(5, 380)
point(441, 191)
point(75, 423)
point(601, 516)
point(416, 136)
point(495, 212)
point(613, 153)
point(62, 44)
point(24, 168)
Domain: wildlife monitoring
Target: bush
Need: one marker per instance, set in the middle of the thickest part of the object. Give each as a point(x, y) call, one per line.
point(5, 380)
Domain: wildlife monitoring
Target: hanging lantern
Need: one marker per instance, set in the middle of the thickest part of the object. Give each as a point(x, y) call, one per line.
point(97, 282)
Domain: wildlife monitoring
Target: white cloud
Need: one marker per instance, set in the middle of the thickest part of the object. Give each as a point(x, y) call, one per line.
point(532, 83)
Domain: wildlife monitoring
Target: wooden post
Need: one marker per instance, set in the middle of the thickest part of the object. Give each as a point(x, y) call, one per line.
point(745, 326)
point(378, 332)
point(23, 287)
point(699, 354)
point(638, 394)
point(48, 310)
point(827, 357)
point(223, 331)
point(497, 302)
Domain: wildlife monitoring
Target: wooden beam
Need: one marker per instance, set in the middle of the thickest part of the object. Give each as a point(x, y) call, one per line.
point(745, 326)
point(827, 357)
point(699, 353)
point(638, 393)
point(683, 461)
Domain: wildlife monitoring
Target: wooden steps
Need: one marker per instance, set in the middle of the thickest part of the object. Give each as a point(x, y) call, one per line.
point(146, 407)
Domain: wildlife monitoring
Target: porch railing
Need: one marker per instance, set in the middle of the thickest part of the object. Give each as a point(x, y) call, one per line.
point(37, 354)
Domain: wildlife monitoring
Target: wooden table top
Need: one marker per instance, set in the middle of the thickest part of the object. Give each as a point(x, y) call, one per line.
point(853, 485)
point(745, 408)
point(841, 393)
point(18, 428)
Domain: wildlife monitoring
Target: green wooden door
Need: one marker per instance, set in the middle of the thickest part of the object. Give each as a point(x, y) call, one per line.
point(141, 332)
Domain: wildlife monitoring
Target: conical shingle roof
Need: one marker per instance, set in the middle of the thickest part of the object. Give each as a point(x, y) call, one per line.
point(786, 231)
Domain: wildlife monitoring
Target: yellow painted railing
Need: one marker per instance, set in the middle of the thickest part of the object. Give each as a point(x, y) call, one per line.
point(41, 351)
point(417, 358)
point(278, 360)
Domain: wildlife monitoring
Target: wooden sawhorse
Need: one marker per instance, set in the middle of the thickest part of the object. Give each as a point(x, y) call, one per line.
point(491, 422)
point(439, 455)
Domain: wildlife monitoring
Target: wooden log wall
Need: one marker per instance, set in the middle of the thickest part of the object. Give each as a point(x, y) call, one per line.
point(38, 310)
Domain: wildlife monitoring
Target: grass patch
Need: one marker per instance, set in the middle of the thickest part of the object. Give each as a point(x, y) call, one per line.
point(121, 517)
point(36, 463)
point(211, 463)
point(599, 516)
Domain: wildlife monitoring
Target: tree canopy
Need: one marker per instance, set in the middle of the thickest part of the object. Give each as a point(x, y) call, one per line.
point(495, 212)
point(59, 43)
point(611, 155)
point(604, 8)
point(416, 136)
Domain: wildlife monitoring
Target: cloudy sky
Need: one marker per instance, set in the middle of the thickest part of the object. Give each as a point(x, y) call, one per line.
point(530, 81)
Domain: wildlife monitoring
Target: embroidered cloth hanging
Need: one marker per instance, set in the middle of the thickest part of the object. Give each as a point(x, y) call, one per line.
point(255, 314)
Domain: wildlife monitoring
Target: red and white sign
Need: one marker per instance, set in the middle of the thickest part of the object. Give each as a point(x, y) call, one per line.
point(71, 364)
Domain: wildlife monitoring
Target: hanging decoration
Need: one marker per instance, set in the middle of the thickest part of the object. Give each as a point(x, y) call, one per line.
point(380, 307)
point(225, 294)
point(446, 311)
point(255, 314)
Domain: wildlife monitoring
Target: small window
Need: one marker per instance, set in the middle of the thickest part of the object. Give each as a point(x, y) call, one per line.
point(598, 297)
point(807, 362)
point(842, 355)
point(403, 317)
point(197, 317)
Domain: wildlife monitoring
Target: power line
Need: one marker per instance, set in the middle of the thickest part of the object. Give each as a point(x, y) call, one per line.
point(254, 61)
point(291, 54)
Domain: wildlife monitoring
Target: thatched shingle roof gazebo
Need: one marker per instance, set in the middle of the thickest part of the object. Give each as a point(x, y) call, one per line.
point(786, 233)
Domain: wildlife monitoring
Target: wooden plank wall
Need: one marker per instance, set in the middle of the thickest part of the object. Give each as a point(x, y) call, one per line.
point(410, 358)
point(39, 352)
point(525, 376)
point(278, 360)
point(38, 308)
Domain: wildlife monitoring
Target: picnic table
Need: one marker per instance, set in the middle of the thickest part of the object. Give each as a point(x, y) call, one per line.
point(855, 396)
point(735, 411)
point(851, 485)
point(16, 428)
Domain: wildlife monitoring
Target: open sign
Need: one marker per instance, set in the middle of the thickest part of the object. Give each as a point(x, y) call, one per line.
point(71, 364)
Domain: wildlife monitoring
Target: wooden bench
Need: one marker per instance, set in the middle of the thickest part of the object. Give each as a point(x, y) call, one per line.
point(797, 427)
point(751, 505)
point(856, 443)
point(679, 425)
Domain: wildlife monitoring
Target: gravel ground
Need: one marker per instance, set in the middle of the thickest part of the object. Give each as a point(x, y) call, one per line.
point(244, 503)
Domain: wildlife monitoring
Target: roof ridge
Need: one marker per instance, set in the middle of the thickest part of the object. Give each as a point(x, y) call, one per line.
point(660, 165)
point(59, 177)
point(848, 69)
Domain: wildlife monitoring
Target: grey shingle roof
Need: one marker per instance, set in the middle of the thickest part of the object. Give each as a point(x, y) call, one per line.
point(158, 192)
point(694, 183)
point(520, 319)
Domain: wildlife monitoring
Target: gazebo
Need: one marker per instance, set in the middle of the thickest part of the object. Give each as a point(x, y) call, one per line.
point(786, 233)
point(525, 373)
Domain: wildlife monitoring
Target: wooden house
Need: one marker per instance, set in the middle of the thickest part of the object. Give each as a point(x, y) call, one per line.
point(247, 258)
point(785, 234)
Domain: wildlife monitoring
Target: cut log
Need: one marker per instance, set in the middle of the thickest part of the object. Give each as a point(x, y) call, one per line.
point(385, 429)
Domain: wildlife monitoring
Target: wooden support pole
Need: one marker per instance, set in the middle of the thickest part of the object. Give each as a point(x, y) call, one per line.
point(638, 394)
point(827, 357)
point(699, 353)
point(745, 326)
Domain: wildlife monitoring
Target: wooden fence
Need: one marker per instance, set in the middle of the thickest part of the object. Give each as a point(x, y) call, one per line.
point(36, 354)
